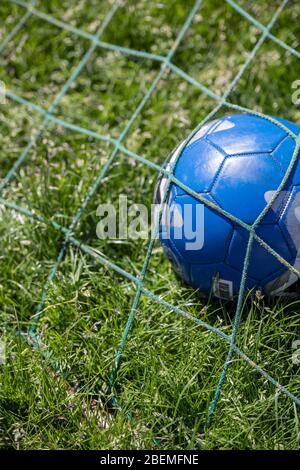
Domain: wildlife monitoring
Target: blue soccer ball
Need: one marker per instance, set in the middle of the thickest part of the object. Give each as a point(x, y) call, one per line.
point(236, 162)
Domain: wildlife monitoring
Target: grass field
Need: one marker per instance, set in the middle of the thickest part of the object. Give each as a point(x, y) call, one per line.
point(170, 366)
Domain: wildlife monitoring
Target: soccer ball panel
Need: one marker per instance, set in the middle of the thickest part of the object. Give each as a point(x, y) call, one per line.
point(290, 125)
point(243, 184)
point(180, 265)
point(284, 152)
point(273, 214)
point(238, 163)
point(215, 229)
point(202, 131)
point(261, 264)
point(246, 133)
point(198, 166)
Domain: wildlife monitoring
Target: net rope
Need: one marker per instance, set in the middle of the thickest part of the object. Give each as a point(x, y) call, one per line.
point(32, 336)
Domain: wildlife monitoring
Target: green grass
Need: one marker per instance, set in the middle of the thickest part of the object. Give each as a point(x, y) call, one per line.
point(170, 366)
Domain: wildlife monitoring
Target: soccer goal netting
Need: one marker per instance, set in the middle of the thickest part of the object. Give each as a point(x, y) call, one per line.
point(163, 65)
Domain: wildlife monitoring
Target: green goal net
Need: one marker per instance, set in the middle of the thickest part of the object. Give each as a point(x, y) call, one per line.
point(161, 67)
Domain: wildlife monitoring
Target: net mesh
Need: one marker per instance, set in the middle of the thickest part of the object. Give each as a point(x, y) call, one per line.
point(69, 239)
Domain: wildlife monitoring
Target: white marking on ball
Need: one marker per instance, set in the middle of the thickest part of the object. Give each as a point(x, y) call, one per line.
point(199, 134)
point(297, 213)
point(224, 126)
point(268, 195)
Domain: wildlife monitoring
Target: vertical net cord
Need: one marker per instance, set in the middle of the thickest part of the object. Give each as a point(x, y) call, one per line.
point(236, 322)
point(237, 317)
point(151, 244)
point(238, 313)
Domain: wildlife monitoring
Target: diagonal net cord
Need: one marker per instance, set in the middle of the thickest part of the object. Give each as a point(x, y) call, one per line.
point(106, 262)
point(121, 49)
point(105, 138)
point(95, 186)
point(260, 26)
point(178, 311)
point(113, 47)
point(149, 294)
point(146, 55)
point(18, 26)
point(243, 281)
point(129, 51)
point(91, 37)
point(11, 174)
point(153, 166)
point(238, 312)
point(139, 158)
point(129, 153)
point(132, 313)
point(189, 191)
